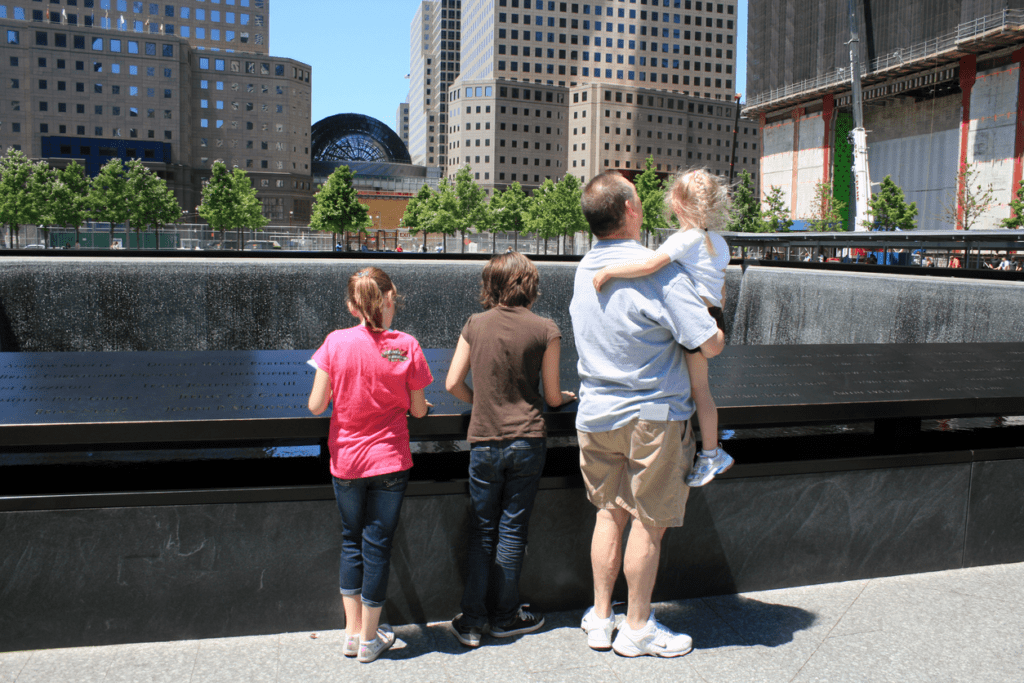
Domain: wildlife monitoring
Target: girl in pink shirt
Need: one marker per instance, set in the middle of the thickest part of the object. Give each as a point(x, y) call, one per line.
point(375, 376)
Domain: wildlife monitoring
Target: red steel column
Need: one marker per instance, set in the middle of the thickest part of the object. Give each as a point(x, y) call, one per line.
point(1018, 145)
point(968, 72)
point(828, 107)
point(797, 113)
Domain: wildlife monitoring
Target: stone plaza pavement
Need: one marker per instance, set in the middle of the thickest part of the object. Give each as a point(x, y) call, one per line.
point(961, 625)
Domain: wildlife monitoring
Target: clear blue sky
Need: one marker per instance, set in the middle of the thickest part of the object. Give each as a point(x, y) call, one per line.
point(359, 51)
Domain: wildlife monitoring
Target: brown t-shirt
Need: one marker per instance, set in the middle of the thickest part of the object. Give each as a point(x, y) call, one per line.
point(506, 347)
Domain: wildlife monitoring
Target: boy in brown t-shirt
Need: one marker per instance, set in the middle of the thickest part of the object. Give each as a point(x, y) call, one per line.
point(509, 349)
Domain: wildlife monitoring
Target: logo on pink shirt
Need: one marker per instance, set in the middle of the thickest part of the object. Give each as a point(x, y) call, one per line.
point(394, 355)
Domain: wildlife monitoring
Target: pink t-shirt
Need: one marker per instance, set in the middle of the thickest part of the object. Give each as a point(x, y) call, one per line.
point(372, 374)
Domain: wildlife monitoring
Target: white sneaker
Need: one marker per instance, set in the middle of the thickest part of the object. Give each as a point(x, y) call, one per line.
point(705, 468)
point(599, 631)
point(351, 646)
point(653, 639)
point(369, 651)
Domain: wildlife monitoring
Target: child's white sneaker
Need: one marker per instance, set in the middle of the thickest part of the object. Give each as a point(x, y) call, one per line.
point(705, 468)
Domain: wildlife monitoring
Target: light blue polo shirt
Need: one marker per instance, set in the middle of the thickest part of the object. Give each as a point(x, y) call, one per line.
point(630, 338)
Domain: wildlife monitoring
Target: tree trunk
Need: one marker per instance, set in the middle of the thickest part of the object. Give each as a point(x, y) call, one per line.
point(463, 241)
point(494, 242)
point(78, 237)
point(157, 229)
point(516, 240)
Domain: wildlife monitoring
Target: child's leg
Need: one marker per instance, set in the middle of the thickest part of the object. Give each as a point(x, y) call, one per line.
point(353, 614)
point(707, 411)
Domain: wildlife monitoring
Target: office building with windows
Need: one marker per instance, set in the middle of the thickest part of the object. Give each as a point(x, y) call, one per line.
point(549, 87)
point(179, 86)
point(434, 61)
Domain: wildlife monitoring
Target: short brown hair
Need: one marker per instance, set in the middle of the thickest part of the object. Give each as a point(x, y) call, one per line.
point(604, 202)
point(366, 291)
point(509, 279)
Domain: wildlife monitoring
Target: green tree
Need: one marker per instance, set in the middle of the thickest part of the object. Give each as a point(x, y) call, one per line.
point(509, 210)
point(109, 198)
point(651, 191)
point(889, 210)
point(555, 209)
point(153, 205)
point(775, 214)
point(569, 209)
point(471, 204)
point(40, 190)
point(965, 206)
point(540, 220)
point(1016, 219)
point(337, 208)
point(436, 211)
point(16, 203)
point(745, 215)
point(69, 198)
point(230, 202)
point(413, 216)
point(827, 210)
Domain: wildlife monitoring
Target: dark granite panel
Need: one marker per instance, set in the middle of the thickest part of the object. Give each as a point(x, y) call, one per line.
point(995, 520)
point(773, 532)
point(86, 577)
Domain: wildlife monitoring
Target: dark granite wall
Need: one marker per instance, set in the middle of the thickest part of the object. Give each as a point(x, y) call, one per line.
point(92, 576)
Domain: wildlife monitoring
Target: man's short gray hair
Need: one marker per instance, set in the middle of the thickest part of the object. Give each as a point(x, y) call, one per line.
point(604, 202)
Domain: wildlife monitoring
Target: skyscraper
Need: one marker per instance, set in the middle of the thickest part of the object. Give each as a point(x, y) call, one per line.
point(434, 49)
point(178, 85)
point(551, 87)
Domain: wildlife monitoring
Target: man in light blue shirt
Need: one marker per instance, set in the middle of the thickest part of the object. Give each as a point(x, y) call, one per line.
point(636, 445)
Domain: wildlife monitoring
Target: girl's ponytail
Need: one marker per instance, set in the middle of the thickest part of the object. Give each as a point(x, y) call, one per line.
point(366, 292)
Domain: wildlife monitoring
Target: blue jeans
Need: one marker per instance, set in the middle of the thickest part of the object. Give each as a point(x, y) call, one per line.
point(503, 480)
point(369, 516)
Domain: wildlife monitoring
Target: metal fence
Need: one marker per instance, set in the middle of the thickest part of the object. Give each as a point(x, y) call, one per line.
point(199, 237)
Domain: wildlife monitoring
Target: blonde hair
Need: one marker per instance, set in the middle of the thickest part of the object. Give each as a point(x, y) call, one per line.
point(366, 292)
point(698, 199)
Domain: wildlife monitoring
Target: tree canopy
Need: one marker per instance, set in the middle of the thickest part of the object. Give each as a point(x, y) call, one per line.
point(775, 214)
point(889, 209)
point(152, 204)
point(651, 191)
point(108, 196)
point(17, 205)
point(828, 215)
point(230, 202)
point(337, 208)
point(745, 215)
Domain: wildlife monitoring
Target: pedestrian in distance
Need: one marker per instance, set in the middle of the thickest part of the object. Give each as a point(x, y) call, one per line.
point(636, 444)
point(509, 349)
point(700, 203)
point(375, 376)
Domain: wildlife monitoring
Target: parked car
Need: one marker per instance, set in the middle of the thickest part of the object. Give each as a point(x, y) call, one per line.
point(262, 244)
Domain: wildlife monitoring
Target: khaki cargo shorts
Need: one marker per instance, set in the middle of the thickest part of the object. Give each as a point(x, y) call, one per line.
point(640, 467)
